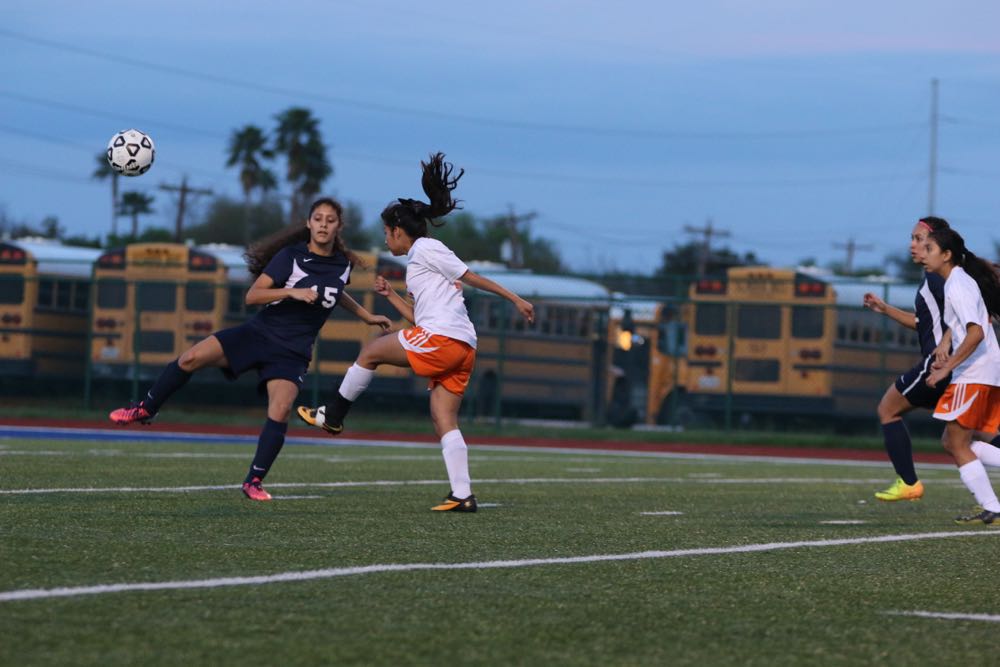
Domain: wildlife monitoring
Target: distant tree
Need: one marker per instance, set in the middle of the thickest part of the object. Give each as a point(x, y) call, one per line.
point(103, 171)
point(81, 241)
point(149, 235)
point(298, 138)
point(134, 204)
point(355, 235)
point(226, 220)
point(904, 267)
point(50, 228)
point(483, 239)
point(248, 146)
point(683, 260)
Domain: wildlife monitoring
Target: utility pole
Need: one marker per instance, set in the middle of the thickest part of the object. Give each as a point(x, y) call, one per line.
point(707, 232)
point(183, 191)
point(932, 180)
point(510, 223)
point(852, 248)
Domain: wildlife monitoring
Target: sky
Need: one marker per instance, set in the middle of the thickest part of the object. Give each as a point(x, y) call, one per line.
point(795, 127)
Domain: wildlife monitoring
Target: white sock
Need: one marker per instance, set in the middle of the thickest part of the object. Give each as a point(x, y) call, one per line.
point(356, 380)
point(976, 480)
point(987, 453)
point(456, 460)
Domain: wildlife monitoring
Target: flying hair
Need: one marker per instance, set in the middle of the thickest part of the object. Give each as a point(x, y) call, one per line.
point(438, 182)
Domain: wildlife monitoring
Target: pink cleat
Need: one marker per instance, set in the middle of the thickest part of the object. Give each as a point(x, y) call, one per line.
point(135, 412)
point(254, 491)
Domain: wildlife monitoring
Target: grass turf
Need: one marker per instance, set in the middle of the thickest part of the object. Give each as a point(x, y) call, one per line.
point(807, 605)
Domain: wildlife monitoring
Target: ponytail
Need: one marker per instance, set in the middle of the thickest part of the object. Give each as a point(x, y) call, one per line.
point(983, 272)
point(412, 214)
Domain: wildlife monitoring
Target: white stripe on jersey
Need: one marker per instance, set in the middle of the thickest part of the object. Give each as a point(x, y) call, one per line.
point(932, 306)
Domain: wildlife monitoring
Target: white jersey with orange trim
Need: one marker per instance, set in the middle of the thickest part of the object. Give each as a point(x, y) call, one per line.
point(964, 305)
point(432, 279)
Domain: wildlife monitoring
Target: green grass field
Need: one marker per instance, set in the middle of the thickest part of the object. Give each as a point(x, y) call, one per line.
point(705, 567)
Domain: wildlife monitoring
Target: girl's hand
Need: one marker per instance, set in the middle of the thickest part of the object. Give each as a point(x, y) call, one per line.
point(304, 294)
point(940, 357)
point(526, 309)
point(874, 303)
point(380, 321)
point(936, 376)
point(382, 286)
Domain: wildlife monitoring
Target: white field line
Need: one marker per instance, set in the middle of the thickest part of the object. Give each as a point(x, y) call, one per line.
point(330, 573)
point(991, 618)
point(423, 482)
point(843, 522)
point(668, 513)
point(340, 441)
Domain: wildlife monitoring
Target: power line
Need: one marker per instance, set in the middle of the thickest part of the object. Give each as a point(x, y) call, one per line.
point(707, 233)
point(118, 59)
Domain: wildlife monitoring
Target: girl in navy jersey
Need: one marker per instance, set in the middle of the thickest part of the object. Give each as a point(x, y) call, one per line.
point(300, 275)
point(442, 345)
point(971, 403)
point(910, 389)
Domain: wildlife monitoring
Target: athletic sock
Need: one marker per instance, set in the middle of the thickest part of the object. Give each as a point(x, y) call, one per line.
point(269, 444)
point(987, 453)
point(355, 381)
point(171, 379)
point(900, 450)
point(456, 461)
point(976, 480)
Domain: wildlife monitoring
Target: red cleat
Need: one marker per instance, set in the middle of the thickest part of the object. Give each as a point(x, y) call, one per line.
point(254, 491)
point(135, 412)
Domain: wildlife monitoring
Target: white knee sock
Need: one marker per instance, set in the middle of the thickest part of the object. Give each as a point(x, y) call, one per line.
point(987, 453)
point(456, 460)
point(356, 380)
point(976, 480)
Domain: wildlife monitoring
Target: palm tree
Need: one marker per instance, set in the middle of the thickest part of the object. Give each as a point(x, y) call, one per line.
point(247, 147)
point(134, 204)
point(297, 137)
point(102, 171)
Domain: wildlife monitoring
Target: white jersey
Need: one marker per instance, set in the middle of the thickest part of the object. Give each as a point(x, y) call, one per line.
point(964, 305)
point(432, 279)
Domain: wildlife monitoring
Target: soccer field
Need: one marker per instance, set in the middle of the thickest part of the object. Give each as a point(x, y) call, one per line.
point(145, 552)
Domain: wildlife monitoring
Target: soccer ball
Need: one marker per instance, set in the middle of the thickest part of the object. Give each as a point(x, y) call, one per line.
point(131, 152)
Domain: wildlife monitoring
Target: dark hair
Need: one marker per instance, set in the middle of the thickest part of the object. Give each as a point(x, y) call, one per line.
point(936, 224)
point(983, 272)
point(413, 215)
point(259, 254)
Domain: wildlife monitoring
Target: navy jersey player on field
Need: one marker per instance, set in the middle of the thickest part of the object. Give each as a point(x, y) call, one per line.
point(910, 389)
point(300, 275)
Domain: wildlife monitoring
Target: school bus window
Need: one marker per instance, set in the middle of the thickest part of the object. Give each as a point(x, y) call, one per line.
point(11, 289)
point(710, 319)
point(156, 341)
point(337, 350)
point(756, 370)
point(235, 304)
point(46, 291)
point(866, 335)
point(382, 307)
point(81, 296)
point(158, 297)
point(63, 296)
point(807, 322)
point(761, 322)
point(111, 293)
point(199, 297)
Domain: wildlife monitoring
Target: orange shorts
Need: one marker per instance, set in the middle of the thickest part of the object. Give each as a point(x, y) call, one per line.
point(444, 360)
point(973, 406)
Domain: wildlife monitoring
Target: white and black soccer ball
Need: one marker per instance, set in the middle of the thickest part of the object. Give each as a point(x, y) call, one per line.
point(131, 152)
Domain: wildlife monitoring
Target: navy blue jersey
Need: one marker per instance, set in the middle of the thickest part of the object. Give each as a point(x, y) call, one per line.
point(929, 309)
point(292, 323)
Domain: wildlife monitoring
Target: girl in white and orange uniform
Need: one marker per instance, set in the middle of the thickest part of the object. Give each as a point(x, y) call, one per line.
point(971, 403)
point(442, 344)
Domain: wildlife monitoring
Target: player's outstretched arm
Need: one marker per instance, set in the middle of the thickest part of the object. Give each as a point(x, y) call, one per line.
point(479, 282)
point(354, 308)
point(905, 318)
point(383, 288)
point(263, 291)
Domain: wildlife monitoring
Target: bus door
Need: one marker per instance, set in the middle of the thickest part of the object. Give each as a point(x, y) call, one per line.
point(156, 274)
point(204, 298)
point(708, 341)
point(760, 340)
point(812, 330)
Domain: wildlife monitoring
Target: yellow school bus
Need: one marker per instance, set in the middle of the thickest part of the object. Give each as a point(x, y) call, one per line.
point(44, 301)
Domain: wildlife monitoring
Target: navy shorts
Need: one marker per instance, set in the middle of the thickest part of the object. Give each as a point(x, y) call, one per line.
point(913, 385)
point(246, 347)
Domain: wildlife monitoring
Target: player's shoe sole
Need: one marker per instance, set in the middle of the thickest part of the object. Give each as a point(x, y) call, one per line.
point(900, 490)
point(453, 504)
point(317, 417)
point(134, 413)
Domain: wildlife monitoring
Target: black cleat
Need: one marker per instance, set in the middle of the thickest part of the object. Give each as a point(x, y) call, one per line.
point(453, 504)
point(984, 517)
